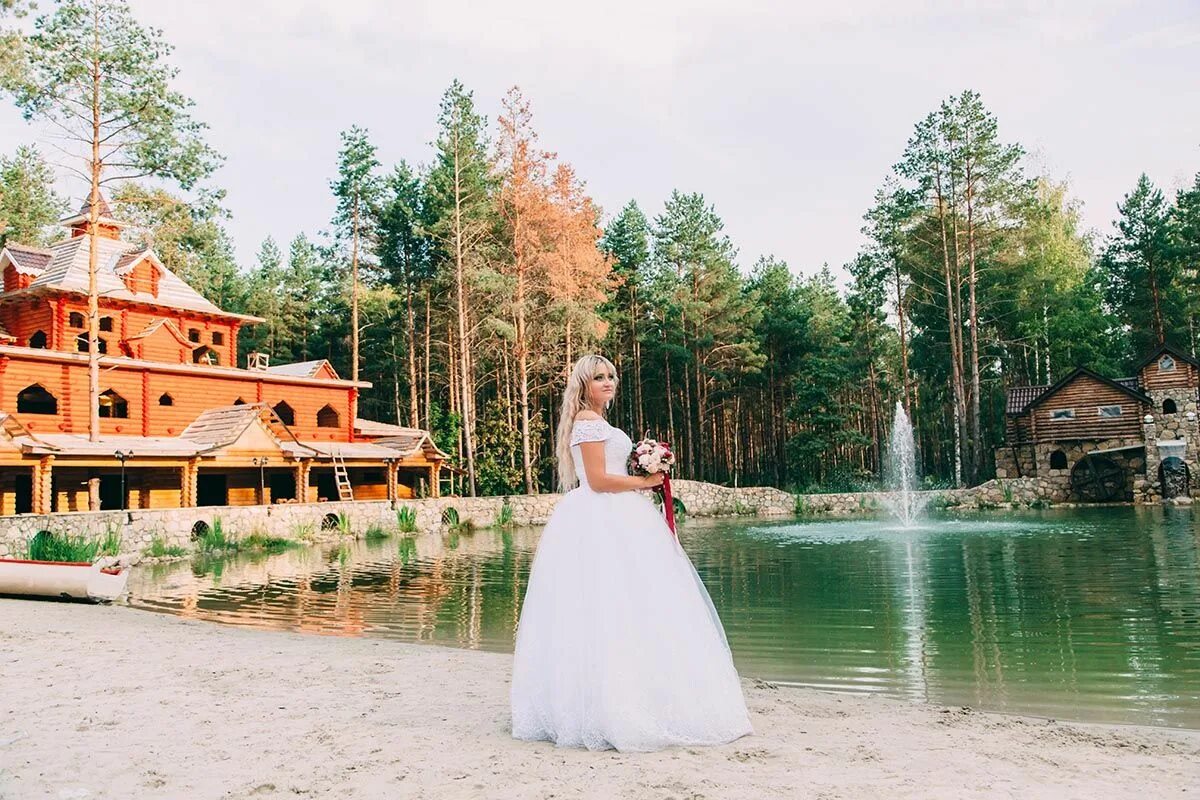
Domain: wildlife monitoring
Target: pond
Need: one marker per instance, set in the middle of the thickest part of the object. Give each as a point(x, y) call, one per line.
point(1087, 614)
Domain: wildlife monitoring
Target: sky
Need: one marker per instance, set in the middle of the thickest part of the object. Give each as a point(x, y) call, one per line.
point(787, 116)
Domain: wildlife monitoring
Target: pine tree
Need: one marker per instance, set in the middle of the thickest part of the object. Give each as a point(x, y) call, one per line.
point(462, 223)
point(29, 205)
point(104, 82)
point(357, 189)
point(1140, 276)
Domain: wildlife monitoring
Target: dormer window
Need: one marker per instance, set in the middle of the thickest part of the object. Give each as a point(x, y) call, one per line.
point(1166, 364)
point(205, 355)
point(38, 341)
point(113, 406)
point(1062, 414)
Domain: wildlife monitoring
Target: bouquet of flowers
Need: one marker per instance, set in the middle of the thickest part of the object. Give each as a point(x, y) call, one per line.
point(648, 457)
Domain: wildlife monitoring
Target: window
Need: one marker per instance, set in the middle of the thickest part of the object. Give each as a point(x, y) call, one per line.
point(36, 400)
point(166, 400)
point(1166, 364)
point(75, 320)
point(1062, 413)
point(38, 340)
point(113, 406)
point(1169, 406)
point(1109, 412)
point(239, 402)
point(205, 355)
point(106, 324)
point(81, 344)
point(327, 418)
point(1058, 460)
point(285, 413)
point(218, 337)
point(193, 334)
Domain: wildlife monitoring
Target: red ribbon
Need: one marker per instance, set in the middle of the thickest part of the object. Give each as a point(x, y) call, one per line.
point(669, 504)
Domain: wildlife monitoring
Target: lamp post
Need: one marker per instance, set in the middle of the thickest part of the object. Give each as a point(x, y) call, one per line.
point(261, 463)
point(123, 456)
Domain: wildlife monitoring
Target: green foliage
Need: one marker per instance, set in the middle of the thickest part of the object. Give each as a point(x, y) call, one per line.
point(1008, 492)
point(343, 523)
point(406, 519)
point(375, 533)
point(504, 519)
point(1141, 279)
point(29, 206)
point(214, 539)
point(145, 125)
point(110, 544)
point(47, 546)
point(498, 451)
point(160, 549)
point(263, 541)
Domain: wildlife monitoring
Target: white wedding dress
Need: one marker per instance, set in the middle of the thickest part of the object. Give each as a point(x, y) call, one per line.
point(619, 645)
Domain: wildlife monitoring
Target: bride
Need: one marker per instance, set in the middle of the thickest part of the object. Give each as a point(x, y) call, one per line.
point(619, 645)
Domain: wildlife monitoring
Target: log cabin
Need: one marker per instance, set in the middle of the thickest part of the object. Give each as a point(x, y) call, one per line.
point(1096, 439)
point(181, 423)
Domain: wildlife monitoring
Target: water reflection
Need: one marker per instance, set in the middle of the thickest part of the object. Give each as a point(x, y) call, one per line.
point(1087, 614)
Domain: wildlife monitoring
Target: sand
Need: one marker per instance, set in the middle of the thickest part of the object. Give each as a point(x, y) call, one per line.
point(112, 702)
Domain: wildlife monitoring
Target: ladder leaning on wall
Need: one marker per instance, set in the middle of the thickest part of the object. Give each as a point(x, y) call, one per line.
point(345, 490)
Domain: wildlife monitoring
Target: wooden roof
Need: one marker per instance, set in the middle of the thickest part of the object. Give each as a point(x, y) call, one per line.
point(66, 270)
point(304, 369)
point(1123, 385)
point(27, 260)
point(221, 427)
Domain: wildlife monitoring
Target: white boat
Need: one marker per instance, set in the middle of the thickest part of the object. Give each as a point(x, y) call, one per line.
point(71, 580)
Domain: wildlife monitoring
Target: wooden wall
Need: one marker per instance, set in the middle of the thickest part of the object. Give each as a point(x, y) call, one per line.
point(143, 389)
point(1184, 375)
point(1085, 394)
point(22, 319)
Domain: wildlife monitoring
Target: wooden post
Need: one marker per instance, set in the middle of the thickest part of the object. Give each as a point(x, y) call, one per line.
point(43, 481)
point(93, 484)
point(305, 469)
point(435, 487)
point(191, 483)
point(390, 474)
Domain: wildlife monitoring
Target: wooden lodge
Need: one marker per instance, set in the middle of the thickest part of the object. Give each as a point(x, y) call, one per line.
point(1097, 439)
point(181, 423)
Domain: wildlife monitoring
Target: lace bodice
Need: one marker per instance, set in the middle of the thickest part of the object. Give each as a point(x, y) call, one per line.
point(617, 447)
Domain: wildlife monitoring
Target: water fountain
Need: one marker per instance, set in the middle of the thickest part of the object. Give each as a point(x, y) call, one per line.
point(900, 473)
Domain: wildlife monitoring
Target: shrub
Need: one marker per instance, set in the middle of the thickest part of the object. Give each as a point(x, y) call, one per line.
point(375, 533)
point(110, 545)
point(47, 546)
point(406, 519)
point(159, 548)
point(213, 538)
point(505, 518)
point(262, 541)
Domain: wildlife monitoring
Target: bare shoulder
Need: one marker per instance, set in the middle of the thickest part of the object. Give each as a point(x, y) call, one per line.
point(587, 413)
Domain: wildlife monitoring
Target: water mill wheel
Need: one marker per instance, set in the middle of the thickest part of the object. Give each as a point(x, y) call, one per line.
point(1096, 479)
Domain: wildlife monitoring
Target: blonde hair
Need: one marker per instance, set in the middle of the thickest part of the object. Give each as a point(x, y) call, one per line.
point(575, 400)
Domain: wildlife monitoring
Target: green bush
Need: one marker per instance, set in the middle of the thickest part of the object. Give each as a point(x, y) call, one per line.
point(406, 519)
point(375, 533)
point(159, 548)
point(214, 538)
point(62, 547)
point(505, 518)
point(110, 545)
point(262, 541)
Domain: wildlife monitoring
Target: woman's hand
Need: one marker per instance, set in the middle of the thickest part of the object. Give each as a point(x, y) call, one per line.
point(652, 480)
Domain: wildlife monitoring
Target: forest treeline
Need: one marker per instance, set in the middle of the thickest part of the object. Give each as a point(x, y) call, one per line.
point(477, 272)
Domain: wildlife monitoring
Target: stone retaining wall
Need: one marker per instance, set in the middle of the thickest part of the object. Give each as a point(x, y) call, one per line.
point(318, 521)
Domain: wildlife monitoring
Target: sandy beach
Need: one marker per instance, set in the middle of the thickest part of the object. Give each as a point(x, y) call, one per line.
point(111, 702)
